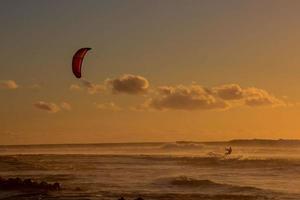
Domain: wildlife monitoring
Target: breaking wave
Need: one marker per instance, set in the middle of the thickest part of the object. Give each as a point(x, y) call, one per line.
point(41, 162)
point(205, 184)
point(182, 146)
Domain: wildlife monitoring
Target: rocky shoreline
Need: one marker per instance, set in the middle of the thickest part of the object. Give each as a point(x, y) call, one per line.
point(27, 184)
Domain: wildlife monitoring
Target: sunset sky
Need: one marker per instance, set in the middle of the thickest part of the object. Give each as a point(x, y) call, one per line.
point(158, 70)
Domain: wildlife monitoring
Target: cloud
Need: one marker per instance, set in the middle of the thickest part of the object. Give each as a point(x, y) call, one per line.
point(259, 97)
point(129, 84)
point(229, 92)
point(8, 84)
point(180, 97)
point(196, 97)
point(66, 106)
point(108, 106)
point(75, 87)
point(89, 86)
point(248, 96)
point(12, 85)
point(93, 88)
point(49, 107)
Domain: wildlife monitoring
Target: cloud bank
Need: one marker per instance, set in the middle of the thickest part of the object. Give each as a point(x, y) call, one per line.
point(183, 97)
point(196, 97)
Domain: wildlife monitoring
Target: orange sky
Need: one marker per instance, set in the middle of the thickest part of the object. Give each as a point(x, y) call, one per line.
point(158, 71)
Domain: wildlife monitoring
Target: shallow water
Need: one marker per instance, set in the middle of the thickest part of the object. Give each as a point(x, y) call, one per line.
point(156, 171)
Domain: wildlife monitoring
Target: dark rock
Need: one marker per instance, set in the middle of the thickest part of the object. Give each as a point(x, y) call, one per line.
point(27, 184)
point(43, 184)
point(56, 186)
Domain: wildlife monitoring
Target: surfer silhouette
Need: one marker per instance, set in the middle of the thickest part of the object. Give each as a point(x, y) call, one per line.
point(228, 151)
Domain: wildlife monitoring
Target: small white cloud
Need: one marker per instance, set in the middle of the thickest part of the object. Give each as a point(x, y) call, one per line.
point(49, 107)
point(93, 88)
point(75, 87)
point(129, 84)
point(66, 106)
point(8, 84)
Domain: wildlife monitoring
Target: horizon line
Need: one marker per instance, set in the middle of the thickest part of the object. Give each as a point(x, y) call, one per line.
point(151, 142)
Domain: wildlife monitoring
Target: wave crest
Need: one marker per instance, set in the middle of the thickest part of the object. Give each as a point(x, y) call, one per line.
point(188, 181)
point(207, 185)
point(182, 146)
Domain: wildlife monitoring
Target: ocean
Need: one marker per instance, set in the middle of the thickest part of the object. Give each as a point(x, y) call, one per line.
point(256, 170)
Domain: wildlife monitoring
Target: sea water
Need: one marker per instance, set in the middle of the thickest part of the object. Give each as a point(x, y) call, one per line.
point(182, 170)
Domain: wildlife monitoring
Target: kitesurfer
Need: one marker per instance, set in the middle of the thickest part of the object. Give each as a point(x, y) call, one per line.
point(228, 151)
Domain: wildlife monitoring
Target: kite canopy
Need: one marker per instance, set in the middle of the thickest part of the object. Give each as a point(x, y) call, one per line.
point(77, 61)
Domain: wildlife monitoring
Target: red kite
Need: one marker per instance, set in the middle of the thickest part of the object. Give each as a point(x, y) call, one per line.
point(77, 61)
